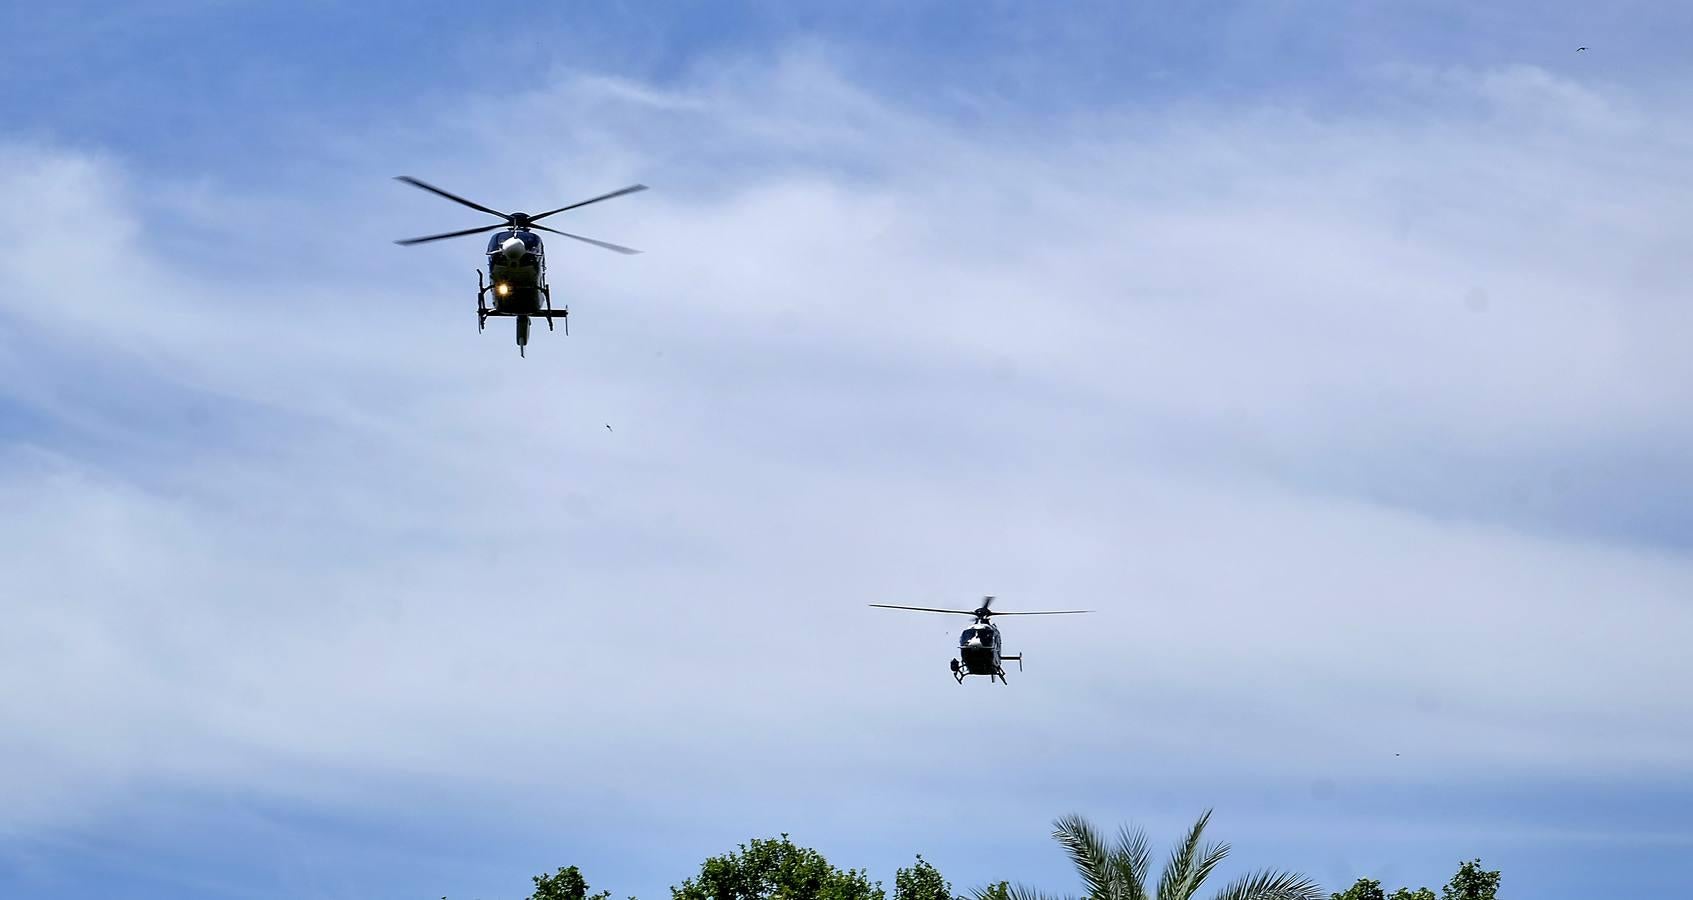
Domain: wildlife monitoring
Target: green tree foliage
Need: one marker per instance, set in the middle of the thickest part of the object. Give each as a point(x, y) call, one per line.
point(565, 884)
point(1362, 889)
point(1471, 883)
point(921, 882)
point(776, 870)
point(1123, 870)
point(1120, 870)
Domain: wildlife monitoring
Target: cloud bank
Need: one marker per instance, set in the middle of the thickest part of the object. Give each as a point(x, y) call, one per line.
point(1362, 432)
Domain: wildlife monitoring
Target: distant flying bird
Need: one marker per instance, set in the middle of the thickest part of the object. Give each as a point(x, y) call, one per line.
point(608, 428)
point(1579, 49)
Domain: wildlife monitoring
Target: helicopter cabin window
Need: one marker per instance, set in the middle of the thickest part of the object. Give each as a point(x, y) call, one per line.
point(985, 635)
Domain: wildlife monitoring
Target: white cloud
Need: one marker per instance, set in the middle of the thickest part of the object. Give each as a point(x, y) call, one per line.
point(871, 356)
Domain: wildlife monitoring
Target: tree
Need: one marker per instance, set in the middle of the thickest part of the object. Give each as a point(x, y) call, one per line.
point(1362, 889)
point(565, 884)
point(1124, 871)
point(1471, 883)
point(776, 870)
point(921, 882)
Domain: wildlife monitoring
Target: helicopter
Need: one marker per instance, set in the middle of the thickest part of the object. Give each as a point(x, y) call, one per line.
point(978, 647)
point(517, 263)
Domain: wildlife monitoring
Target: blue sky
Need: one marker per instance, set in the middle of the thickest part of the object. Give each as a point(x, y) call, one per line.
point(1336, 356)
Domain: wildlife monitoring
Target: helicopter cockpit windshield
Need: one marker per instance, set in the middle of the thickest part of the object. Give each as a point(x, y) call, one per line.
point(531, 243)
point(978, 632)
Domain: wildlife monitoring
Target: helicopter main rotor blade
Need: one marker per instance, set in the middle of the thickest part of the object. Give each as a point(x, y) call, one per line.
point(451, 234)
point(453, 197)
point(629, 251)
point(1044, 612)
point(631, 189)
point(961, 612)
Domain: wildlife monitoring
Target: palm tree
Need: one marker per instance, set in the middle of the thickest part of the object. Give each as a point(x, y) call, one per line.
point(1124, 872)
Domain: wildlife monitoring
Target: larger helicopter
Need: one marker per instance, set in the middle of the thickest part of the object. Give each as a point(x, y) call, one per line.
point(978, 647)
point(517, 263)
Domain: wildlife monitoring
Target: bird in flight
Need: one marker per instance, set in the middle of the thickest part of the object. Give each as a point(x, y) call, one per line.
point(608, 428)
point(1579, 49)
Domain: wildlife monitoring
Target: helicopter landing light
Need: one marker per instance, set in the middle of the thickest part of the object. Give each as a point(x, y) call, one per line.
point(502, 289)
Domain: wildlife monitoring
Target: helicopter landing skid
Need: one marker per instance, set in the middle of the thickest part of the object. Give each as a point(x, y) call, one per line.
point(547, 294)
point(546, 312)
point(481, 307)
point(960, 674)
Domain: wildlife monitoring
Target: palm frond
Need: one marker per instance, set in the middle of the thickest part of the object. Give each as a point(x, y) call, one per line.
point(1089, 854)
point(1268, 885)
point(1005, 891)
point(1132, 862)
point(1177, 881)
point(1024, 892)
point(1209, 856)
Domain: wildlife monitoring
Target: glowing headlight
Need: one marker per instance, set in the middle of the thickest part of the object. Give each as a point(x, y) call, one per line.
point(502, 289)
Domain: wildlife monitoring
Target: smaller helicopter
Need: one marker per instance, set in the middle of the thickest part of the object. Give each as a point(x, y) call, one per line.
point(978, 647)
point(517, 263)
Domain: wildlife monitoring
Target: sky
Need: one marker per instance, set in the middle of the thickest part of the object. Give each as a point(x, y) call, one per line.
point(1333, 354)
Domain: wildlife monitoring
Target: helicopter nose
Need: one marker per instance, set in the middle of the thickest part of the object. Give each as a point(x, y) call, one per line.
point(512, 248)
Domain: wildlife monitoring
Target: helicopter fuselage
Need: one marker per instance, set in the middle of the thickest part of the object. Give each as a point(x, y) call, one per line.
point(517, 263)
point(517, 268)
point(979, 650)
